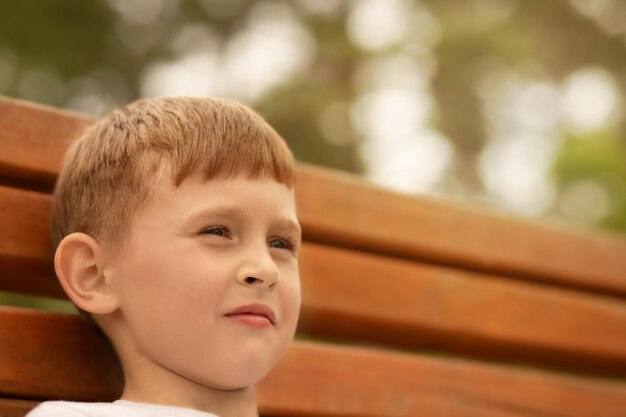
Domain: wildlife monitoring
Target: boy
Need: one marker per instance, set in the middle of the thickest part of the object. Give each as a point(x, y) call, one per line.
point(176, 232)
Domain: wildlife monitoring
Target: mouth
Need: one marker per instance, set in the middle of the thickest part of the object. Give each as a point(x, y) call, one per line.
point(254, 315)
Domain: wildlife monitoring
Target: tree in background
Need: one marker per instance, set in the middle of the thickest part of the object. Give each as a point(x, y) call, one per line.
point(515, 104)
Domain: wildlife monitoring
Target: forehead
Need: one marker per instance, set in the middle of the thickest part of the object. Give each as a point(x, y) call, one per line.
point(234, 197)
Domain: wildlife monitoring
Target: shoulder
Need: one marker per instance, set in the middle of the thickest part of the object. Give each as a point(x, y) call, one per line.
point(73, 409)
point(119, 408)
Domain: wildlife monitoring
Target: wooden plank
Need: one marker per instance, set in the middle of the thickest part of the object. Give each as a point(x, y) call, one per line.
point(359, 296)
point(354, 296)
point(316, 379)
point(25, 249)
point(54, 355)
point(33, 139)
point(15, 408)
point(50, 356)
point(342, 209)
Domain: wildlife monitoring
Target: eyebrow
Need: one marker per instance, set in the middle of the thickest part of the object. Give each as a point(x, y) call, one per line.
point(286, 223)
point(223, 211)
point(232, 212)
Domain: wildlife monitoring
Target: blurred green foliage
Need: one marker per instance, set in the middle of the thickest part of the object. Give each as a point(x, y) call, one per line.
point(65, 53)
point(41, 303)
point(598, 159)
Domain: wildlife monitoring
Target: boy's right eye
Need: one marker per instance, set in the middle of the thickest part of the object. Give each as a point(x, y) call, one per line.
point(216, 230)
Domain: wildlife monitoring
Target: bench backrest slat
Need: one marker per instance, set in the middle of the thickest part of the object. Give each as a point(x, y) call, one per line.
point(450, 234)
point(313, 378)
point(33, 140)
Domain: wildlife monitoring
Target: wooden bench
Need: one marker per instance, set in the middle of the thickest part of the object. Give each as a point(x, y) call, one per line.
point(411, 306)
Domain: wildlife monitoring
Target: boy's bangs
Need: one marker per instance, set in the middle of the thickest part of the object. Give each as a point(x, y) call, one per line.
point(259, 154)
point(215, 139)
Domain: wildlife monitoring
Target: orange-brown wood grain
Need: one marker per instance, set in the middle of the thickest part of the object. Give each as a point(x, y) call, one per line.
point(343, 210)
point(15, 408)
point(358, 296)
point(33, 139)
point(315, 379)
point(25, 250)
point(46, 355)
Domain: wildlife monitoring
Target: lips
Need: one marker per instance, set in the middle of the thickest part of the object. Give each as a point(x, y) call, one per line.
point(253, 311)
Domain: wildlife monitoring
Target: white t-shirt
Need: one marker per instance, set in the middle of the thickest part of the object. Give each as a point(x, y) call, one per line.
point(119, 408)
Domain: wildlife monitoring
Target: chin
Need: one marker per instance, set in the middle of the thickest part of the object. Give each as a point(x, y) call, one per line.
point(241, 366)
point(236, 382)
point(249, 374)
point(232, 375)
point(253, 363)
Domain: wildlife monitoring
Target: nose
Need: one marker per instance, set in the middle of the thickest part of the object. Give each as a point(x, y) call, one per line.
point(259, 269)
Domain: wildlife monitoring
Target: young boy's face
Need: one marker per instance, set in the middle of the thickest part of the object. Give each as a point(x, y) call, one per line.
point(208, 284)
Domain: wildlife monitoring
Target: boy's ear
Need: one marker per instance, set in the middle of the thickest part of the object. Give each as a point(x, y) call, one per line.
point(79, 264)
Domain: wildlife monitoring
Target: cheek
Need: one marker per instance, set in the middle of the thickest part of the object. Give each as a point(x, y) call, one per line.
point(173, 287)
point(290, 298)
point(171, 307)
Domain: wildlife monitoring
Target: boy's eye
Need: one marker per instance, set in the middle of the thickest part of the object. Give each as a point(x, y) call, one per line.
point(217, 231)
point(282, 243)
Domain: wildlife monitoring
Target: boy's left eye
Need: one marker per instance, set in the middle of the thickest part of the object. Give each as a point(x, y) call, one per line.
point(217, 231)
point(282, 243)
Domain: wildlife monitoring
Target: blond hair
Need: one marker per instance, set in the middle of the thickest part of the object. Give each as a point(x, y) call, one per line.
point(108, 173)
